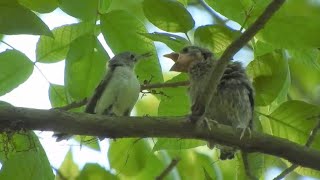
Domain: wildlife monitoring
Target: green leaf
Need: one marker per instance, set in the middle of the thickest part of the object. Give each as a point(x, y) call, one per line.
point(176, 144)
point(291, 120)
point(16, 19)
point(104, 6)
point(261, 48)
point(68, 167)
point(88, 141)
point(308, 57)
point(51, 50)
point(27, 156)
point(214, 37)
point(256, 164)
point(176, 102)
point(40, 5)
point(15, 68)
point(168, 15)
point(270, 73)
point(57, 95)
point(128, 156)
point(174, 42)
point(82, 9)
point(120, 30)
point(85, 66)
point(95, 172)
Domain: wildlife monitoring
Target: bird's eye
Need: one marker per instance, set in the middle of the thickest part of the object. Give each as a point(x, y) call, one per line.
point(132, 56)
point(206, 55)
point(185, 50)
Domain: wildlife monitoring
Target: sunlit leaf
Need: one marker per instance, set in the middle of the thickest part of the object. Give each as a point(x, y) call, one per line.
point(168, 15)
point(214, 37)
point(55, 49)
point(85, 66)
point(95, 172)
point(68, 167)
point(27, 155)
point(128, 156)
point(270, 73)
point(176, 144)
point(121, 31)
point(15, 68)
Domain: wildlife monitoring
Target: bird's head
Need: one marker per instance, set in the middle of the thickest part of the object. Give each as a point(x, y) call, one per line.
point(187, 56)
point(127, 59)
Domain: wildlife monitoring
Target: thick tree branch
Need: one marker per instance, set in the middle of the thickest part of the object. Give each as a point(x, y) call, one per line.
point(13, 118)
point(234, 47)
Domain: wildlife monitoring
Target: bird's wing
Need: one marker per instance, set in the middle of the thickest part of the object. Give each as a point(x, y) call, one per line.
point(91, 105)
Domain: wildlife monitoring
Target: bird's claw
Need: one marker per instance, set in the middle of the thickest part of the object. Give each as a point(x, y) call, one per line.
point(244, 130)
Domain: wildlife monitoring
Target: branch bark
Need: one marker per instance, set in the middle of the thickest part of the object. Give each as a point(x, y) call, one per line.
point(14, 118)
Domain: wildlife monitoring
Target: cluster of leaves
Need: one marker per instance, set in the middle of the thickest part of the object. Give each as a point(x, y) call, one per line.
point(285, 73)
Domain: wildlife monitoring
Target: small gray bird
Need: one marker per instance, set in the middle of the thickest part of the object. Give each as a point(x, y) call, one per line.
point(232, 103)
point(118, 92)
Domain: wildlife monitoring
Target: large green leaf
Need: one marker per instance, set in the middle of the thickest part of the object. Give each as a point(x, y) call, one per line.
point(176, 101)
point(26, 155)
point(16, 19)
point(82, 9)
point(51, 50)
point(129, 156)
point(15, 68)
point(270, 73)
point(85, 66)
point(121, 31)
point(291, 120)
point(168, 15)
point(176, 144)
point(58, 96)
point(95, 172)
point(256, 164)
point(174, 42)
point(40, 6)
point(68, 168)
point(214, 37)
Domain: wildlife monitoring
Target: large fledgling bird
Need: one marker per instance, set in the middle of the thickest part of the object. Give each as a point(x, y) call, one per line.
point(118, 92)
point(232, 103)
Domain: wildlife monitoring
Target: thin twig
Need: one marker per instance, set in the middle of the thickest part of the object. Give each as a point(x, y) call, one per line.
point(167, 170)
point(8, 44)
point(308, 144)
point(164, 85)
point(77, 104)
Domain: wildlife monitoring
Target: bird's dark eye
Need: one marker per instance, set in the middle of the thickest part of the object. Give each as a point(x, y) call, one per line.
point(132, 56)
point(206, 55)
point(185, 50)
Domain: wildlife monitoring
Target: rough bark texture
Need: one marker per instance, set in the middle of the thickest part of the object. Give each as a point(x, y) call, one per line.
point(13, 118)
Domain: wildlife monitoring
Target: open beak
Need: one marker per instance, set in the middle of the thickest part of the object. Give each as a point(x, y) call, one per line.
point(182, 61)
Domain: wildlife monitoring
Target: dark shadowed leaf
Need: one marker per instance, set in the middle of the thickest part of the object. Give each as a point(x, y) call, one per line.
point(82, 9)
point(11, 21)
point(15, 68)
point(121, 31)
point(85, 66)
point(168, 15)
point(50, 50)
point(174, 42)
point(40, 6)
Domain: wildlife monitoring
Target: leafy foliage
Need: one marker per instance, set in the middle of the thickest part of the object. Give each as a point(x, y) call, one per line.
point(285, 71)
